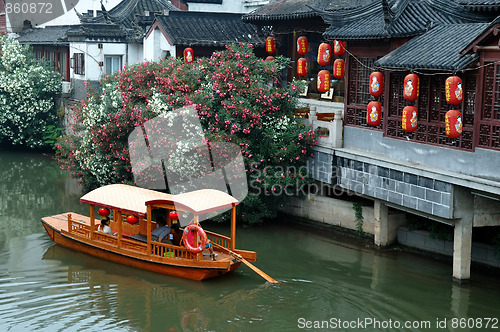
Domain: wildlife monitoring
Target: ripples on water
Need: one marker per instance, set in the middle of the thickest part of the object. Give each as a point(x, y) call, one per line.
point(44, 287)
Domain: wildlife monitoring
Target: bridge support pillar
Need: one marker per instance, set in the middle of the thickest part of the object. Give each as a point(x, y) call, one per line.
point(381, 227)
point(462, 238)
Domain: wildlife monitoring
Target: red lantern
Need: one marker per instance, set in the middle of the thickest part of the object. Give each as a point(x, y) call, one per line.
point(323, 81)
point(132, 220)
point(302, 45)
point(453, 88)
point(338, 47)
point(324, 54)
point(411, 87)
point(410, 119)
point(302, 67)
point(376, 84)
point(270, 45)
point(453, 123)
point(173, 215)
point(338, 68)
point(188, 55)
point(270, 58)
point(374, 113)
point(103, 212)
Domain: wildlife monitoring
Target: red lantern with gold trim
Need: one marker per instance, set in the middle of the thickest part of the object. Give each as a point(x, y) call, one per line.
point(411, 87)
point(302, 45)
point(302, 67)
point(270, 58)
point(324, 54)
point(410, 119)
point(103, 212)
point(173, 215)
point(338, 68)
point(453, 89)
point(323, 83)
point(453, 123)
point(132, 220)
point(270, 45)
point(373, 113)
point(338, 47)
point(188, 55)
point(376, 87)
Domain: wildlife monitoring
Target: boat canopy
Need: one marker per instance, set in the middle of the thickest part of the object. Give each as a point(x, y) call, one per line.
point(135, 200)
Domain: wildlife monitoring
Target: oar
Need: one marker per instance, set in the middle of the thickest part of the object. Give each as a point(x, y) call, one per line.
point(247, 263)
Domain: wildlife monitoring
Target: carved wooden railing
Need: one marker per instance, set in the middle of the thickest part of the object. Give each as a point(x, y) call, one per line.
point(221, 240)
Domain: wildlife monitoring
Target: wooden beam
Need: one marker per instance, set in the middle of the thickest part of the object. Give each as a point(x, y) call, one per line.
point(148, 230)
point(233, 227)
point(92, 221)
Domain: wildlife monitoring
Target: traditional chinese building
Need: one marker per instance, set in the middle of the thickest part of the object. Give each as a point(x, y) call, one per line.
point(421, 171)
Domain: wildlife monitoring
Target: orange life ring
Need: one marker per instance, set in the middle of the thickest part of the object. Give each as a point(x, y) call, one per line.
point(201, 234)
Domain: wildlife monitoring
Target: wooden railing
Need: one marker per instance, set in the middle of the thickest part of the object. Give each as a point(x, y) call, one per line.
point(221, 240)
point(170, 251)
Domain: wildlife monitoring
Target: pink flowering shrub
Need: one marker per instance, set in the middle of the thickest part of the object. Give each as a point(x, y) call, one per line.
point(239, 100)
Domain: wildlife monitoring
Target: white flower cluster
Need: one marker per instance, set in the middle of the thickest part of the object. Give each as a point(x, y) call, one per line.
point(27, 91)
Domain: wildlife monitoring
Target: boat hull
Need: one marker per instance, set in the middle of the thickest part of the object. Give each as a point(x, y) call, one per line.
point(184, 268)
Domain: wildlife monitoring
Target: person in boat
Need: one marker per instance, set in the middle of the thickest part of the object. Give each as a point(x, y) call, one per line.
point(105, 228)
point(176, 234)
point(162, 232)
point(209, 245)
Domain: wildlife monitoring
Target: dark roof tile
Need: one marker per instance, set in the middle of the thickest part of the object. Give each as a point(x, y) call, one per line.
point(50, 35)
point(208, 29)
point(438, 49)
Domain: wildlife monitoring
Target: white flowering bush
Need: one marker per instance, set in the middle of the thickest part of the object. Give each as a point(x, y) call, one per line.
point(27, 91)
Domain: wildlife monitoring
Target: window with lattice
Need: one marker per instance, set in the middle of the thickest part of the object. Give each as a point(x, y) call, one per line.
point(489, 125)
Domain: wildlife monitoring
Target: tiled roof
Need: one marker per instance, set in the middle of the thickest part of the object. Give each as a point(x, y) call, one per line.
point(50, 35)
point(217, 2)
point(208, 29)
point(480, 5)
point(299, 9)
point(402, 19)
point(438, 49)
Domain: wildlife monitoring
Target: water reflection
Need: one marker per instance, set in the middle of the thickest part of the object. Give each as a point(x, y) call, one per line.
point(45, 287)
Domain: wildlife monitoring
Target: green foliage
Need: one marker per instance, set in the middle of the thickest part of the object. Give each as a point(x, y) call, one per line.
point(238, 99)
point(358, 216)
point(27, 91)
point(436, 230)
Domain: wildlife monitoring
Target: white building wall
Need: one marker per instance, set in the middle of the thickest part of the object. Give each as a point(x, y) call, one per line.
point(156, 46)
point(228, 6)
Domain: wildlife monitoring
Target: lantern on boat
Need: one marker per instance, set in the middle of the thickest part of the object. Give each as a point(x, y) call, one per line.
point(453, 123)
point(338, 47)
point(270, 45)
point(453, 88)
point(324, 54)
point(302, 45)
point(103, 212)
point(132, 220)
point(373, 113)
point(323, 83)
point(188, 55)
point(338, 68)
point(172, 215)
point(270, 58)
point(410, 119)
point(411, 87)
point(302, 67)
point(376, 87)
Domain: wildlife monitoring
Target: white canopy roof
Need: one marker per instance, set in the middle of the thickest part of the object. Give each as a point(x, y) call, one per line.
point(134, 200)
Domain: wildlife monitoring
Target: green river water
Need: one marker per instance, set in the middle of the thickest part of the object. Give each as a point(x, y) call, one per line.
point(329, 282)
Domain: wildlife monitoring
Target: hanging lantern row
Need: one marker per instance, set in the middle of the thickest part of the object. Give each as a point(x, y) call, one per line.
point(411, 87)
point(188, 55)
point(302, 45)
point(453, 90)
point(302, 67)
point(453, 123)
point(270, 45)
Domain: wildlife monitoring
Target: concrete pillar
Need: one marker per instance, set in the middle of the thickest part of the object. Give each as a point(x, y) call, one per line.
point(463, 210)
point(381, 227)
point(338, 127)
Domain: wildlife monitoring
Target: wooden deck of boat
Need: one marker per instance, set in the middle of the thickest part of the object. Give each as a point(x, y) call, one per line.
point(60, 223)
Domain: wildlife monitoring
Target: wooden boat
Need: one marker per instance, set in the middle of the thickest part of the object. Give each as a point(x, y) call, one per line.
point(134, 245)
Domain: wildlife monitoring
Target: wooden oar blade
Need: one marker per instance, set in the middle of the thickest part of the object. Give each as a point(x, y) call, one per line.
point(258, 271)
